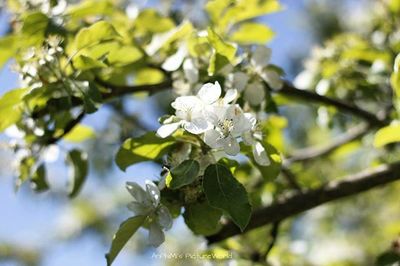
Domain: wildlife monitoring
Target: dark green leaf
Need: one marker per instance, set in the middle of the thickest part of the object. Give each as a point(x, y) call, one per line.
point(183, 174)
point(224, 192)
point(38, 179)
point(144, 148)
point(388, 259)
point(202, 219)
point(124, 233)
point(79, 170)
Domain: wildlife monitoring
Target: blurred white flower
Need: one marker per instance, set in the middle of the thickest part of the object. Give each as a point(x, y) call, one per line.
point(147, 203)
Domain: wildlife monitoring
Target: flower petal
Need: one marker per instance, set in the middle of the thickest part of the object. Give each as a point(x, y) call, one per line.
point(238, 80)
point(156, 235)
point(272, 78)
point(137, 192)
point(167, 129)
point(211, 138)
point(261, 57)
point(230, 96)
point(197, 126)
point(231, 146)
point(153, 192)
point(209, 93)
point(173, 62)
point(138, 208)
point(260, 154)
point(164, 218)
point(190, 70)
point(254, 93)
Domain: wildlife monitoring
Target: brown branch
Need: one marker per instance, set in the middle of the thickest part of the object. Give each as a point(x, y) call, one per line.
point(114, 91)
point(290, 91)
point(292, 205)
point(68, 128)
point(315, 152)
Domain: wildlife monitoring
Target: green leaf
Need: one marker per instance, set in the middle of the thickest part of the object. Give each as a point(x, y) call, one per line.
point(34, 28)
point(97, 33)
point(90, 8)
point(184, 174)
point(11, 107)
point(144, 148)
point(25, 170)
point(147, 76)
point(224, 192)
point(202, 219)
point(149, 20)
point(8, 47)
point(252, 33)
point(78, 170)
point(83, 62)
point(387, 259)
point(387, 135)
point(217, 62)
point(124, 233)
point(124, 55)
point(221, 47)
point(80, 133)
point(38, 179)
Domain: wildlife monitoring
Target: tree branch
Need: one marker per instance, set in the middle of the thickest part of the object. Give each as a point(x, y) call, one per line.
point(115, 91)
point(287, 207)
point(290, 91)
point(315, 152)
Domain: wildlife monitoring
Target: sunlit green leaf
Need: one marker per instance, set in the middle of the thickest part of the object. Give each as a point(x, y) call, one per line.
point(11, 107)
point(90, 8)
point(144, 148)
point(95, 34)
point(387, 135)
point(80, 133)
point(252, 33)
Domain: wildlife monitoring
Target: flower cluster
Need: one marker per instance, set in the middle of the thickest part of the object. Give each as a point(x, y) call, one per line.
point(147, 203)
point(218, 120)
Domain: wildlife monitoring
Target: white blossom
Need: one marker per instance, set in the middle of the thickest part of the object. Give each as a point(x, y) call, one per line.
point(147, 203)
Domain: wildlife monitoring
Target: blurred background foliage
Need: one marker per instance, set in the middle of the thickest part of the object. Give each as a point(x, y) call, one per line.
point(341, 50)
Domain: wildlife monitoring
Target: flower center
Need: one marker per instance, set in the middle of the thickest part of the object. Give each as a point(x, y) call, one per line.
point(225, 127)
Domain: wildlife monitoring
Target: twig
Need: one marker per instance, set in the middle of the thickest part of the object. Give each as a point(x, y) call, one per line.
point(316, 152)
point(287, 207)
point(68, 128)
point(291, 91)
point(274, 235)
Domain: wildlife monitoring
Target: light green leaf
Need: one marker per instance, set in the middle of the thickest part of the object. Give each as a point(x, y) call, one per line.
point(34, 28)
point(224, 192)
point(221, 47)
point(144, 148)
point(184, 174)
point(38, 179)
point(99, 32)
point(80, 133)
point(83, 62)
point(124, 55)
point(147, 76)
point(202, 219)
point(149, 20)
point(124, 233)
point(8, 47)
point(11, 107)
point(252, 33)
point(387, 135)
point(78, 171)
point(90, 8)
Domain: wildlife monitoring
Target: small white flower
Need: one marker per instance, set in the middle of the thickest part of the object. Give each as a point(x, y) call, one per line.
point(147, 203)
point(260, 58)
point(191, 110)
point(229, 124)
point(173, 62)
